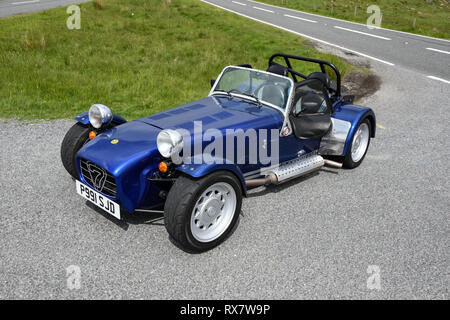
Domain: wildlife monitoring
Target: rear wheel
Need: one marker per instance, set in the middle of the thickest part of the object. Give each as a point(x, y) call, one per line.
point(200, 213)
point(359, 146)
point(74, 139)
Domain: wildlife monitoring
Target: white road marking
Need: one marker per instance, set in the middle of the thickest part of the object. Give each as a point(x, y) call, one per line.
point(25, 2)
point(239, 3)
point(365, 33)
point(287, 15)
point(263, 9)
point(301, 34)
point(346, 21)
point(438, 79)
point(437, 50)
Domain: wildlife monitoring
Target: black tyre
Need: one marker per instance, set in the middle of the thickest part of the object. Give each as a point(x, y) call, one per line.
point(199, 214)
point(360, 145)
point(74, 139)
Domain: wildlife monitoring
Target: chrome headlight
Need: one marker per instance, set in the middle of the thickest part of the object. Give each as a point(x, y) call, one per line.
point(169, 143)
point(99, 115)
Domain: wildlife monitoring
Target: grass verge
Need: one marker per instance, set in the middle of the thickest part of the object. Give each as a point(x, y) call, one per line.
point(136, 57)
point(426, 17)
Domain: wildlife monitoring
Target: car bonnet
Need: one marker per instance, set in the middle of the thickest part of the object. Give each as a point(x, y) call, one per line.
point(217, 112)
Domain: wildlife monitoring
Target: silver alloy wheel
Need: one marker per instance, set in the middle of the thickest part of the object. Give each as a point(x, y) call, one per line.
point(360, 142)
point(213, 212)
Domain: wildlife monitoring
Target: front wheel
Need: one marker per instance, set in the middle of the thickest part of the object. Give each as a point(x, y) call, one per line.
point(199, 214)
point(359, 146)
point(74, 139)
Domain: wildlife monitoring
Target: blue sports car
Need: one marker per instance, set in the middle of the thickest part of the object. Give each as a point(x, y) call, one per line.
point(194, 163)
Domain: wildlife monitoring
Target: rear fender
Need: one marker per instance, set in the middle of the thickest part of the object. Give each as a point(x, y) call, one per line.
point(346, 118)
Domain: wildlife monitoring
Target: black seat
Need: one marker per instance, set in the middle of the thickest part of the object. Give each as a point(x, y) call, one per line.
point(278, 69)
point(312, 103)
point(322, 77)
point(329, 84)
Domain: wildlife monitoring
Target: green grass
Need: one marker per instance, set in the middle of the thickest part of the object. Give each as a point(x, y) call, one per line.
point(136, 57)
point(432, 19)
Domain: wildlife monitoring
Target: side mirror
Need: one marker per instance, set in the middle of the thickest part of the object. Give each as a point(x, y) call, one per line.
point(348, 99)
point(213, 81)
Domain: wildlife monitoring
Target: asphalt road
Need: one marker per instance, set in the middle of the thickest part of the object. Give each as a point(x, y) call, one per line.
point(428, 56)
point(310, 238)
point(13, 7)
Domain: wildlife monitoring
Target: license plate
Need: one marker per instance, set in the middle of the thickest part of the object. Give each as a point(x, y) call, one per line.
point(99, 200)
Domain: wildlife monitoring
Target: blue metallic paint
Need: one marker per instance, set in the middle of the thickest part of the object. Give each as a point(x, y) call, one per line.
point(221, 113)
point(354, 115)
point(135, 157)
point(130, 161)
point(216, 112)
point(201, 170)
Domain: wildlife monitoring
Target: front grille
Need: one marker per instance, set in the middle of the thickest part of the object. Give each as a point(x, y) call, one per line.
point(98, 178)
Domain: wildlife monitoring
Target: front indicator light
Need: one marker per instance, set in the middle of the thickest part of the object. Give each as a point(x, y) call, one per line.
point(162, 167)
point(92, 135)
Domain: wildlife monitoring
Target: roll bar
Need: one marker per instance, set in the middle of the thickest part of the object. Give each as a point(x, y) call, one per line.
point(294, 73)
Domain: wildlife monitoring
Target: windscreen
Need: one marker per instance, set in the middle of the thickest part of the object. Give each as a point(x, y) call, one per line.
point(266, 87)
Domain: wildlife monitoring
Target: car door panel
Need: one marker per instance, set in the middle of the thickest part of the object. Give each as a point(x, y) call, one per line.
point(310, 113)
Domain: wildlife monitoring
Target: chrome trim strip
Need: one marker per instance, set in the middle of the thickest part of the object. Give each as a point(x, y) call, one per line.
point(149, 211)
point(109, 186)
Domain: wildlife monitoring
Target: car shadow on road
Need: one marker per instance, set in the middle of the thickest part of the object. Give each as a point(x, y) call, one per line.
point(274, 188)
point(157, 218)
point(148, 218)
point(135, 218)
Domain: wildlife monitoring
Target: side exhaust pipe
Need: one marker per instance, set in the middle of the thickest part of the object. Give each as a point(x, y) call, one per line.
point(269, 179)
point(293, 169)
point(334, 164)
